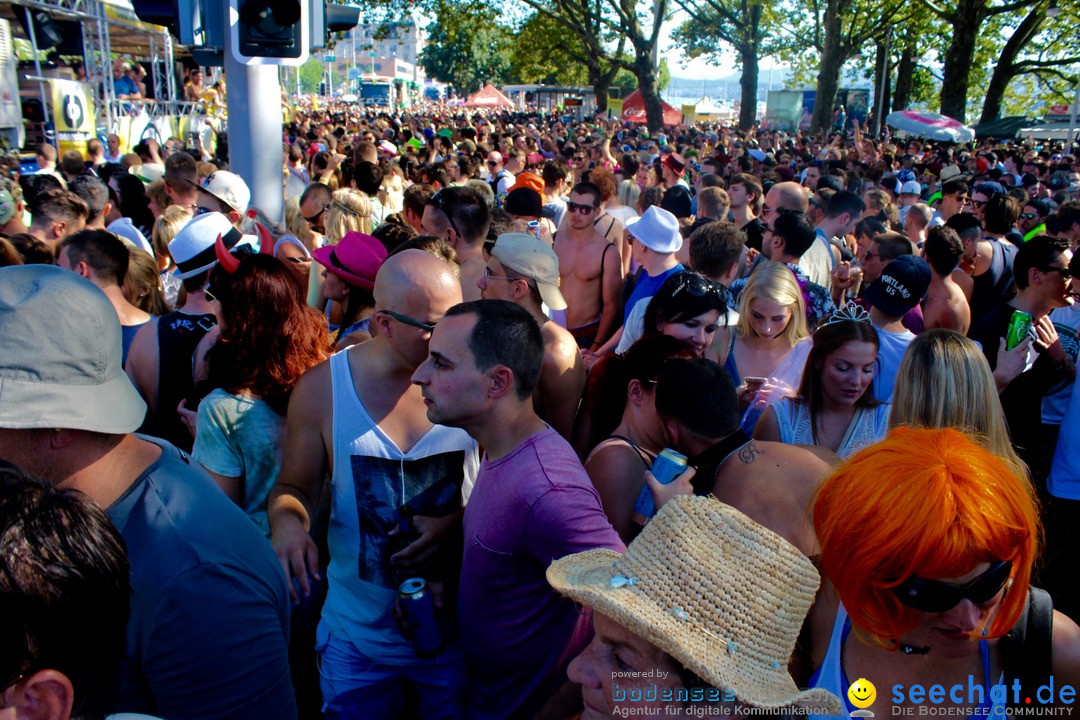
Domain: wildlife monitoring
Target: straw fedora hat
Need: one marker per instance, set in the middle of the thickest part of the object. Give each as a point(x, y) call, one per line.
point(716, 591)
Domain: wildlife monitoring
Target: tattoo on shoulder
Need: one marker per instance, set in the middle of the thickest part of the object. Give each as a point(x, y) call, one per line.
point(748, 452)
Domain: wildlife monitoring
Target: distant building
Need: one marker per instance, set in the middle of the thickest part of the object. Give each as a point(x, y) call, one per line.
point(399, 41)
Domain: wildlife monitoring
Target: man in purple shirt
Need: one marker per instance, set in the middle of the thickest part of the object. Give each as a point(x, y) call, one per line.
point(532, 503)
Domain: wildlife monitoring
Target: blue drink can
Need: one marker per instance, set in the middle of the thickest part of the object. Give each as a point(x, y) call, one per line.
point(419, 606)
point(668, 465)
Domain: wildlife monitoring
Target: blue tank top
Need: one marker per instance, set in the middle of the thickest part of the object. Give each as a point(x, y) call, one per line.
point(831, 675)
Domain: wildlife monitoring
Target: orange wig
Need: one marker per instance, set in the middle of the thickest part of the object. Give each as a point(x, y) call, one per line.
point(927, 503)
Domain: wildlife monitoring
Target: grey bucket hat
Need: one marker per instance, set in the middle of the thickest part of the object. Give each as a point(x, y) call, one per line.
point(60, 360)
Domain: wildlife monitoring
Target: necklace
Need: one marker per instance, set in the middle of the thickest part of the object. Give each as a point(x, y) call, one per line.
point(913, 650)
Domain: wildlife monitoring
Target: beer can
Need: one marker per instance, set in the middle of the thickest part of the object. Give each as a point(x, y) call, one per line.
point(667, 466)
point(419, 606)
point(1019, 325)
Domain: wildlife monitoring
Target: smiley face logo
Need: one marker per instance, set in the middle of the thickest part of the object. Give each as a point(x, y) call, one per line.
point(862, 693)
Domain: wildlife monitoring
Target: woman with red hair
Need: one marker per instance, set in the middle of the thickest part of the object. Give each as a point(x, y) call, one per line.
point(927, 543)
point(269, 337)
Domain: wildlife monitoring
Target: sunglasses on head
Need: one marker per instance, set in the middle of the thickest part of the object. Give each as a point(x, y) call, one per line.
point(440, 202)
point(934, 596)
point(696, 286)
point(579, 208)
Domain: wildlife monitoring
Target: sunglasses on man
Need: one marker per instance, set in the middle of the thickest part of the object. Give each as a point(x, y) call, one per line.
point(579, 208)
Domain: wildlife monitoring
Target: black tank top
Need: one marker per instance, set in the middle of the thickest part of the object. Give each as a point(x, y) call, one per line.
point(179, 333)
point(990, 288)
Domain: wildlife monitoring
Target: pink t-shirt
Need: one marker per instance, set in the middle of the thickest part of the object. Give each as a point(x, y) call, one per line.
point(528, 508)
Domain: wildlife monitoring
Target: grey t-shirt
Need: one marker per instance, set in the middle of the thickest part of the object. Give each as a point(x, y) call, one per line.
point(209, 629)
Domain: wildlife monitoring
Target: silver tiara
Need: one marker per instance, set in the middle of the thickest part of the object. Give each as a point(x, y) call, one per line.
point(849, 313)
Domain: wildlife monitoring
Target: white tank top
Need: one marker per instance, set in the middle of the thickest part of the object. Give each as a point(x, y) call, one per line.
point(372, 480)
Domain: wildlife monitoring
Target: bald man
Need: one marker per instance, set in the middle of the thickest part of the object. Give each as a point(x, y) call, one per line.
point(397, 485)
point(821, 258)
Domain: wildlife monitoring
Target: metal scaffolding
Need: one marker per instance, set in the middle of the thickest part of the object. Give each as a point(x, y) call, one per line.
point(110, 28)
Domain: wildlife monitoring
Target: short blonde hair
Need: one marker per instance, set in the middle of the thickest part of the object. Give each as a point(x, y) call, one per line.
point(945, 381)
point(168, 224)
point(349, 210)
point(158, 195)
point(775, 281)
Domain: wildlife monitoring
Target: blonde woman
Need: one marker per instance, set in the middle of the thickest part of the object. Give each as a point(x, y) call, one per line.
point(142, 283)
point(296, 225)
point(879, 205)
point(945, 381)
point(168, 224)
point(350, 210)
point(772, 320)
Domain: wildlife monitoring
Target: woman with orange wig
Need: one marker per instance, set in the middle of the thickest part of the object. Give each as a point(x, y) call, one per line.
point(927, 542)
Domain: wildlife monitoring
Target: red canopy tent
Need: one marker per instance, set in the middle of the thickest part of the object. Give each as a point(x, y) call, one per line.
point(489, 97)
point(633, 109)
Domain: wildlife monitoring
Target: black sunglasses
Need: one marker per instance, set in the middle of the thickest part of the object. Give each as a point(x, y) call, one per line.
point(696, 286)
point(406, 320)
point(579, 208)
point(934, 596)
point(1065, 272)
point(1029, 216)
point(315, 218)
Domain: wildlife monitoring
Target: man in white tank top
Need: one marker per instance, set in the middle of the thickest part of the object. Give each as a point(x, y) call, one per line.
point(396, 485)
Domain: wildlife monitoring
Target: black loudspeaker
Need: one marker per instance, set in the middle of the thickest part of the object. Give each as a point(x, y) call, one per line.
point(71, 38)
point(46, 32)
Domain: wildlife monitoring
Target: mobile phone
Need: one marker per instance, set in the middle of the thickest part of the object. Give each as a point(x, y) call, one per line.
point(754, 383)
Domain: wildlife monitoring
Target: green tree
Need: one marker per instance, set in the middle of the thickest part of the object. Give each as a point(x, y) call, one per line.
point(599, 24)
point(544, 51)
point(466, 47)
point(837, 30)
point(1041, 48)
point(716, 27)
point(627, 82)
point(311, 74)
point(965, 21)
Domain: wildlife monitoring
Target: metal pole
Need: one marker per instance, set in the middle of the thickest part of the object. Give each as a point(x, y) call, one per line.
point(878, 119)
point(37, 69)
point(255, 137)
point(1072, 118)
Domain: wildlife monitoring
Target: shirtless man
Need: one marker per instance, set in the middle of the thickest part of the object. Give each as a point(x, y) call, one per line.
point(772, 483)
point(945, 305)
point(358, 419)
point(590, 269)
point(460, 216)
point(525, 271)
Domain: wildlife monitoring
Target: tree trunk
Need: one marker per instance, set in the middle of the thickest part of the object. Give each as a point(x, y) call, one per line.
point(601, 85)
point(832, 59)
point(1005, 70)
point(905, 76)
point(958, 58)
point(749, 84)
point(882, 83)
point(650, 94)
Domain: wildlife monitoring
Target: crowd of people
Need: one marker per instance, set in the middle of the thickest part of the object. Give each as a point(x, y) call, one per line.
point(371, 459)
